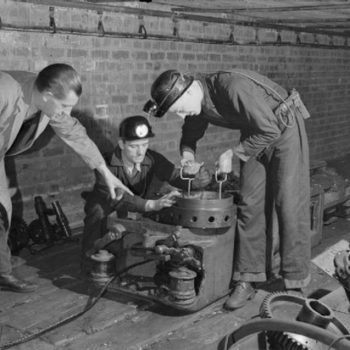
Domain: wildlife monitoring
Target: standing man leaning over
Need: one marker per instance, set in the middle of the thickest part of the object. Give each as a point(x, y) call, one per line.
point(28, 103)
point(274, 156)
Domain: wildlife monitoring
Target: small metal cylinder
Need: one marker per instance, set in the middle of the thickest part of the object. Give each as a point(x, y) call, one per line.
point(316, 313)
point(103, 267)
point(182, 286)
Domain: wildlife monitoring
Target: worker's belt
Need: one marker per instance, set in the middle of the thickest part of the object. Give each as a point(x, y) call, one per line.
point(286, 113)
point(287, 110)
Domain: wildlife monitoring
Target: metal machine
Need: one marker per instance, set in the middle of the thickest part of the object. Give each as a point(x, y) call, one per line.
point(342, 269)
point(187, 252)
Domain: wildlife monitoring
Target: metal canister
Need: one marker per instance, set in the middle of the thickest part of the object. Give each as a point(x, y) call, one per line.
point(181, 286)
point(102, 267)
point(203, 210)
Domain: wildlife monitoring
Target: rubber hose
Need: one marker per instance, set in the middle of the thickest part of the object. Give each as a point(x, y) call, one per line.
point(68, 319)
point(308, 330)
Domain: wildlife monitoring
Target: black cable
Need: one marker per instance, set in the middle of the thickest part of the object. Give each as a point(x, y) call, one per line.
point(88, 306)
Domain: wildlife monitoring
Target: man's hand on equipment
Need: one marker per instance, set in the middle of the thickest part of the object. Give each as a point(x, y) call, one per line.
point(164, 202)
point(202, 179)
point(224, 164)
point(191, 168)
point(112, 182)
point(187, 158)
point(189, 165)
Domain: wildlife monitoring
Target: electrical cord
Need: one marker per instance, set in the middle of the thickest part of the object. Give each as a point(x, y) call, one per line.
point(90, 304)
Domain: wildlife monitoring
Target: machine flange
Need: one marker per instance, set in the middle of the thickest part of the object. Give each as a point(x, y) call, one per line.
point(289, 307)
point(200, 210)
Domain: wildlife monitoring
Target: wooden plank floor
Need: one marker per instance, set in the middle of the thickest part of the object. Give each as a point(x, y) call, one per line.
point(116, 321)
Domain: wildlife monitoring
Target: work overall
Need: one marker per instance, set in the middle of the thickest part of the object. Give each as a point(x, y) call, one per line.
point(276, 184)
point(274, 174)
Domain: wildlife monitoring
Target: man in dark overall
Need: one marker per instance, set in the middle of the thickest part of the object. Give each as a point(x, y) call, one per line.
point(137, 167)
point(30, 102)
point(274, 159)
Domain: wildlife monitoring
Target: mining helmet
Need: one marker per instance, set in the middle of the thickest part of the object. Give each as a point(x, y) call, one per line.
point(165, 91)
point(135, 128)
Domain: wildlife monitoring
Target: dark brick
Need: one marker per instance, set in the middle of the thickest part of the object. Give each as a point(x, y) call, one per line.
point(77, 53)
point(158, 56)
point(140, 55)
point(100, 54)
point(172, 56)
point(120, 55)
point(140, 77)
point(120, 99)
point(188, 56)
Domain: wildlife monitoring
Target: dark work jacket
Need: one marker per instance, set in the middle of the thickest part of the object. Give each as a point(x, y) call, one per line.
point(234, 101)
point(153, 165)
point(274, 187)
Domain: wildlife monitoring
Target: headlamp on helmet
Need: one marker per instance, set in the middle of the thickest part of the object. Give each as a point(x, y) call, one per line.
point(135, 128)
point(150, 107)
point(165, 91)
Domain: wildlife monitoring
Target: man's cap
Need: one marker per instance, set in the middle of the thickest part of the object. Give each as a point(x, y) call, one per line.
point(135, 128)
point(165, 91)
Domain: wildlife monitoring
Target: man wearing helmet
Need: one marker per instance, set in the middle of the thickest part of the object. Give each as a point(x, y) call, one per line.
point(274, 159)
point(136, 166)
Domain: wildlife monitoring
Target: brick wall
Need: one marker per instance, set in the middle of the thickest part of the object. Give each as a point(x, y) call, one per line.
point(117, 73)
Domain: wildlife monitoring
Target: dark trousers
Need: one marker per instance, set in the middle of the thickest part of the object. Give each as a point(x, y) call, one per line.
point(5, 221)
point(277, 183)
point(5, 254)
point(97, 209)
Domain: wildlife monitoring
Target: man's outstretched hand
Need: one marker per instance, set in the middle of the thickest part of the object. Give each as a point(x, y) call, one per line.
point(112, 182)
point(164, 202)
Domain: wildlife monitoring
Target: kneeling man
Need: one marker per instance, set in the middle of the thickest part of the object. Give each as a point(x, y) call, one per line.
point(136, 166)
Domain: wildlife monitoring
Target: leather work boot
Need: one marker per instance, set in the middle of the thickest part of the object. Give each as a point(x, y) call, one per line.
point(295, 291)
point(14, 284)
point(243, 292)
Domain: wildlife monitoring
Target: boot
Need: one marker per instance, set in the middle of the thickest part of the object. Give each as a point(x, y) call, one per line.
point(243, 292)
point(295, 291)
point(14, 284)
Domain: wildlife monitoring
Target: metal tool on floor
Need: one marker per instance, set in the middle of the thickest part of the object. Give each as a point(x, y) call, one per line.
point(42, 231)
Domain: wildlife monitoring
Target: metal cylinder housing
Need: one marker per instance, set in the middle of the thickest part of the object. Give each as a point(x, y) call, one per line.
point(201, 210)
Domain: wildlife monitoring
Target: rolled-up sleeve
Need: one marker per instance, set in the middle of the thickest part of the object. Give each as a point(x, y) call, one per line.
point(132, 203)
point(193, 130)
point(166, 171)
point(74, 135)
